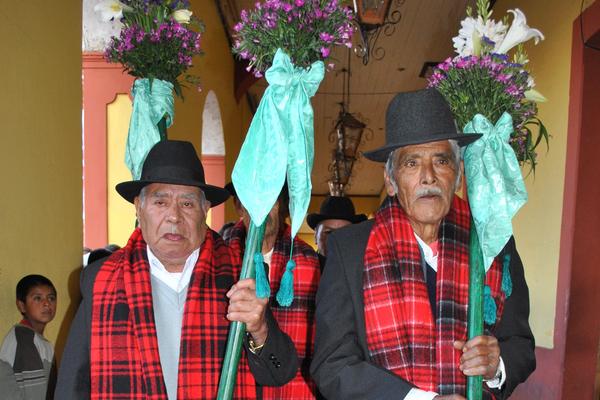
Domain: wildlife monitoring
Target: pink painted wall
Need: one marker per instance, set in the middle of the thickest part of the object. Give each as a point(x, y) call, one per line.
point(102, 82)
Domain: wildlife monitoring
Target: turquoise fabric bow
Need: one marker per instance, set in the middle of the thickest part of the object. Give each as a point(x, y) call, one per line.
point(151, 101)
point(495, 185)
point(280, 140)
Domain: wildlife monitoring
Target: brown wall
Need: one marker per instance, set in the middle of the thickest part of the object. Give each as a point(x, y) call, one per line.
point(568, 370)
point(583, 326)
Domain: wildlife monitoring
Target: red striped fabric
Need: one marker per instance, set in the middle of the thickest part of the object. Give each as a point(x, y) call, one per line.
point(298, 319)
point(402, 334)
point(124, 355)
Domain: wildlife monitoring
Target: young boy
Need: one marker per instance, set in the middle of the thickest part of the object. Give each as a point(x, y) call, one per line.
point(26, 357)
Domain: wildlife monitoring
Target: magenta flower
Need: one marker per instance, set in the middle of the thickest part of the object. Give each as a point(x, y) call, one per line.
point(326, 37)
point(305, 30)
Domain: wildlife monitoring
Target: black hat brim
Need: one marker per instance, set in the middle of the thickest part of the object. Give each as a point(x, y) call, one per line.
point(314, 219)
point(131, 189)
point(381, 154)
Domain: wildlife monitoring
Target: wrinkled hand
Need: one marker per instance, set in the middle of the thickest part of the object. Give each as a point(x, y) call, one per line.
point(481, 356)
point(245, 307)
point(449, 397)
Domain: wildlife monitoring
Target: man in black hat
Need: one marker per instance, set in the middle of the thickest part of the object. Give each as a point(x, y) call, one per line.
point(335, 213)
point(154, 317)
point(392, 303)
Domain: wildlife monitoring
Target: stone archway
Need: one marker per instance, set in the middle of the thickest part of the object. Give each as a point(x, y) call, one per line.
point(213, 153)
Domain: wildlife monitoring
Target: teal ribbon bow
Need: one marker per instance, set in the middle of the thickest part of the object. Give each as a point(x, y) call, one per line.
point(280, 141)
point(495, 185)
point(152, 100)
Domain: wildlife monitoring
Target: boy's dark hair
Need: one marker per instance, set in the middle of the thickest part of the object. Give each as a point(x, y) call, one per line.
point(29, 282)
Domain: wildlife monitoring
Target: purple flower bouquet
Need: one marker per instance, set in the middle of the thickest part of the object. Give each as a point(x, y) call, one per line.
point(306, 30)
point(156, 41)
point(156, 45)
point(483, 79)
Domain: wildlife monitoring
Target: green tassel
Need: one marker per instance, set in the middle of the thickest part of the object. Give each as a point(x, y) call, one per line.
point(506, 280)
point(285, 295)
point(263, 290)
point(489, 306)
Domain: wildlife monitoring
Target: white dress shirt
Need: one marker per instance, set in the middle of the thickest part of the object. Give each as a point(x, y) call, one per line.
point(177, 281)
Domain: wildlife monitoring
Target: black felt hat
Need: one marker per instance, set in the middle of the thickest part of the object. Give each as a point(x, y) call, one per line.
point(334, 207)
point(416, 118)
point(176, 163)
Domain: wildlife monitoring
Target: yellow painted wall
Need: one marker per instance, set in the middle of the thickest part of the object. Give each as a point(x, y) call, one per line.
point(40, 151)
point(538, 224)
point(121, 215)
point(215, 69)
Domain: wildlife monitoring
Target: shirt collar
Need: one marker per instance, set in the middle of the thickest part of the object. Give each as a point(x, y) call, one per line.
point(430, 258)
point(175, 280)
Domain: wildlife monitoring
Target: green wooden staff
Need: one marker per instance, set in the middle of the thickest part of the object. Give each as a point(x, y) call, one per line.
point(238, 329)
point(162, 128)
point(475, 317)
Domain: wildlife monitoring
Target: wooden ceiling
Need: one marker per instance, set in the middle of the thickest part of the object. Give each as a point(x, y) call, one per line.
point(424, 34)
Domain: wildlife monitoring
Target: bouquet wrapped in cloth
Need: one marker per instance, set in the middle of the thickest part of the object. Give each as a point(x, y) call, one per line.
point(156, 45)
point(492, 93)
point(286, 41)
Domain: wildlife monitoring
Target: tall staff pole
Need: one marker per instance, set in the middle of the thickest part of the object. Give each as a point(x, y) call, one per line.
point(238, 329)
point(475, 317)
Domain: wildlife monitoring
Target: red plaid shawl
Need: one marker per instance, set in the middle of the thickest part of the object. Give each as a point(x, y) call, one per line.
point(124, 356)
point(401, 333)
point(298, 319)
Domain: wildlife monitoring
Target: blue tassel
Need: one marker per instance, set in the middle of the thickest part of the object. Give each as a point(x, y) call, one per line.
point(506, 280)
point(489, 306)
point(263, 290)
point(285, 295)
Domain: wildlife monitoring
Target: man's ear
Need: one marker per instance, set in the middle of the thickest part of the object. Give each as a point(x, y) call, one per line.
point(206, 207)
point(136, 203)
point(388, 184)
point(21, 306)
point(459, 179)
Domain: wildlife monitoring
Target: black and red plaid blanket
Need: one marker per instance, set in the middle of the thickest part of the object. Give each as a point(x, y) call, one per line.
point(124, 355)
point(402, 335)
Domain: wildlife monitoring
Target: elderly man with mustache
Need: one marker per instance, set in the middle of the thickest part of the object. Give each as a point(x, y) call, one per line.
point(392, 303)
point(154, 317)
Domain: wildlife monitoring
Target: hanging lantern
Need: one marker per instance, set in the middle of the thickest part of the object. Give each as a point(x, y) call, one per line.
point(372, 12)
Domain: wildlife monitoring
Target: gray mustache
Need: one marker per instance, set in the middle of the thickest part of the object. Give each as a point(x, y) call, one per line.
point(434, 191)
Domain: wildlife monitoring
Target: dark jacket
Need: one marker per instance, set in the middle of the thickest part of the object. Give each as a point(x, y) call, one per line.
point(341, 365)
point(275, 365)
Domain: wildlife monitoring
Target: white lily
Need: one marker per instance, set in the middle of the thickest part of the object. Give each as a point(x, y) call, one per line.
point(471, 32)
point(534, 95)
point(519, 32)
point(111, 9)
point(476, 41)
point(182, 16)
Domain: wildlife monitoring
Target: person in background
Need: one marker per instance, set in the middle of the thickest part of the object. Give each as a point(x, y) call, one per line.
point(26, 356)
point(226, 229)
point(297, 320)
point(335, 213)
point(102, 252)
